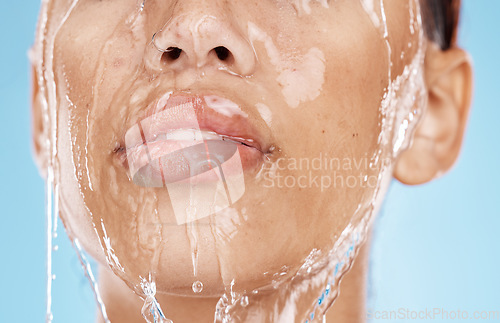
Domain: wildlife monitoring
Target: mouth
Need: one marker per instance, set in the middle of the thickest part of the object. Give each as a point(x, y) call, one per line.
point(185, 137)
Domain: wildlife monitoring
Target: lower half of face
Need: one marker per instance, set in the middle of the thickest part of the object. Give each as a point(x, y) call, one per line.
point(314, 97)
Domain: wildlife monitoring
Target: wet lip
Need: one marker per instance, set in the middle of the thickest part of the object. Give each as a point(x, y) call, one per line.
point(220, 125)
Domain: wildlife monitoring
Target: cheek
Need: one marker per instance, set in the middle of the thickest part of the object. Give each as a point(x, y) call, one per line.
point(90, 67)
point(345, 118)
point(87, 51)
point(74, 213)
point(404, 31)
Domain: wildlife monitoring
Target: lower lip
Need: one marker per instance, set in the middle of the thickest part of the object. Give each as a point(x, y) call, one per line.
point(145, 170)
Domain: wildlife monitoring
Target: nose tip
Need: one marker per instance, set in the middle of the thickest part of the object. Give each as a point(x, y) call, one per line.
point(205, 41)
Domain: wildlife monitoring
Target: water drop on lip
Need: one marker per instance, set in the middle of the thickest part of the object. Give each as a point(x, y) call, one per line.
point(197, 287)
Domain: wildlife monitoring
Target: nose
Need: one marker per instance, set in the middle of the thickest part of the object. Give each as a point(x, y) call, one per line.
point(202, 36)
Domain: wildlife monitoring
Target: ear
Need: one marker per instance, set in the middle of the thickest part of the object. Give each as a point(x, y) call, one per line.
point(438, 137)
point(38, 126)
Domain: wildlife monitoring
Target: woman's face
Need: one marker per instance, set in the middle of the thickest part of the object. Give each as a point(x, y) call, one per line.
point(310, 95)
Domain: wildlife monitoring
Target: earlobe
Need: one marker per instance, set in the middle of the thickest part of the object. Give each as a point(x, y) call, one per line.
point(438, 137)
point(38, 131)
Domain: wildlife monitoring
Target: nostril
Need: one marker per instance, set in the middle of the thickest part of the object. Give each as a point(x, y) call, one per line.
point(222, 53)
point(171, 54)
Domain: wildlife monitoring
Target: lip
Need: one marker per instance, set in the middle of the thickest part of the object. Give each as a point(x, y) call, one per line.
point(224, 128)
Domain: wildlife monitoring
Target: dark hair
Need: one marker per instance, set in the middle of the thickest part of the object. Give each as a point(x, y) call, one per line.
point(441, 21)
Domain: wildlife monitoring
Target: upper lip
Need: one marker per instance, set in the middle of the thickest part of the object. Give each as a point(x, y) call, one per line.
point(181, 110)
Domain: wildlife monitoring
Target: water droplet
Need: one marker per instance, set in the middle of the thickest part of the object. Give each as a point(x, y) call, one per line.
point(149, 288)
point(152, 313)
point(53, 277)
point(244, 301)
point(54, 235)
point(197, 286)
point(55, 248)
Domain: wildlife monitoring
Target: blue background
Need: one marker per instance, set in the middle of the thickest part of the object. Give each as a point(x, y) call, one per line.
point(436, 245)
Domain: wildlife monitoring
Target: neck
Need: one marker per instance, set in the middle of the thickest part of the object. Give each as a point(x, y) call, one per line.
point(350, 304)
point(124, 306)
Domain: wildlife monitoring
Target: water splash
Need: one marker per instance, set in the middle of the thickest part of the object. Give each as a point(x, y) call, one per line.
point(49, 231)
point(90, 276)
point(151, 310)
point(192, 233)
